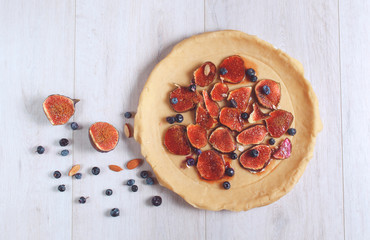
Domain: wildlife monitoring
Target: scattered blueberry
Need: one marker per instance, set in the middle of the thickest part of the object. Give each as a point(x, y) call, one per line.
point(292, 131)
point(226, 185)
point(174, 100)
point(254, 153)
point(197, 151)
point(40, 150)
point(63, 142)
point(128, 115)
point(233, 155)
point(223, 71)
point(229, 172)
point(134, 188)
point(62, 188)
point(108, 192)
point(156, 201)
point(82, 200)
point(171, 120)
point(57, 174)
point(271, 141)
point(193, 87)
point(95, 170)
point(250, 72)
point(144, 174)
point(74, 126)
point(244, 115)
point(130, 182)
point(114, 212)
point(64, 152)
point(253, 78)
point(266, 89)
point(233, 103)
point(179, 118)
point(190, 162)
point(78, 175)
point(149, 181)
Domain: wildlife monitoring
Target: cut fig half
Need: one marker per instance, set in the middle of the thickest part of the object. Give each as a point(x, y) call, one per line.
point(205, 74)
point(231, 118)
point(272, 99)
point(182, 99)
point(258, 163)
point(219, 92)
point(203, 118)
point(210, 165)
point(59, 109)
point(222, 140)
point(252, 135)
point(257, 114)
point(197, 135)
point(241, 97)
point(211, 106)
point(176, 141)
point(232, 69)
point(284, 150)
point(279, 122)
point(103, 136)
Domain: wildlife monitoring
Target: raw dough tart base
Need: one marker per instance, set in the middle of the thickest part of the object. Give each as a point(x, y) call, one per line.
point(247, 190)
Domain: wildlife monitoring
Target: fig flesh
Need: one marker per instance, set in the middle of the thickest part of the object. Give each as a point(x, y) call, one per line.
point(203, 118)
point(272, 99)
point(205, 74)
point(59, 109)
point(279, 122)
point(256, 164)
point(284, 150)
point(197, 135)
point(210, 165)
point(257, 115)
point(176, 141)
point(231, 118)
point(219, 92)
point(252, 135)
point(211, 106)
point(222, 140)
point(103, 136)
point(241, 97)
point(185, 99)
point(232, 69)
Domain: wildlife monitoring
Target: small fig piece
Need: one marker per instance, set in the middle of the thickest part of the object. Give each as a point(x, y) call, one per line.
point(176, 140)
point(103, 136)
point(59, 109)
point(256, 164)
point(205, 74)
point(203, 118)
point(219, 92)
point(284, 150)
point(185, 99)
point(210, 165)
point(235, 71)
point(257, 115)
point(273, 98)
point(211, 106)
point(197, 135)
point(252, 135)
point(279, 122)
point(241, 97)
point(231, 118)
point(222, 140)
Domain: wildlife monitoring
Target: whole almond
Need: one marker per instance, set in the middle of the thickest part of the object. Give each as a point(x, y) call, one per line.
point(134, 163)
point(74, 170)
point(207, 69)
point(115, 168)
point(127, 130)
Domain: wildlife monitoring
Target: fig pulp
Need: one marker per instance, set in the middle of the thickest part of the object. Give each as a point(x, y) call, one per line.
point(272, 99)
point(241, 97)
point(284, 150)
point(235, 71)
point(231, 118)
point(211, 106)
point(222, 140)
point(252, 135)
point(279, 122)
point(219, 92)
point(176, 141)
point(256, 164)
point(103, 136)
point(203, 118)
point(257, 115)
point(59, 109)
point(197, 135)
point(186, 99)
point(205, 74)
point(210, 165)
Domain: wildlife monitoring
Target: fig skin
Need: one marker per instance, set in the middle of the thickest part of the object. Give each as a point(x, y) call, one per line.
point(211, 106)
point(176, 140)
point(279, 122)
point(235, 69)
point(252, 135)
point(256, 164)
point(271, 100)
point(203, 118)
point(210, 165)
point(222, 140)
point(241, 96)
point(284, 150)
point(187, 100)
point(257, 115)
point(200, 77)
point(197, 135)
point(231, 118)
point(59, 109)
point(219, 92)
point(103, 136)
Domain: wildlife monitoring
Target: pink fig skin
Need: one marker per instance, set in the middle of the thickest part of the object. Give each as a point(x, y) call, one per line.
point(284, 150)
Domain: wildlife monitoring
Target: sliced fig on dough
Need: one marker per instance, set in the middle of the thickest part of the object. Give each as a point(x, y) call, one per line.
point(219, 92)
point(231, 118)
point(182, 99)
point(197, 135)
point(222, 140)
point(232, 69)
point(284, 150)
point(241, 97)
point(279, 122)
point(257, 115)
point(205, 74)
point(176, 141)
point(211, 106)
point(210, 165)
point(256, 162)
point(268, 93)
point(203, 118)
point(252, 135)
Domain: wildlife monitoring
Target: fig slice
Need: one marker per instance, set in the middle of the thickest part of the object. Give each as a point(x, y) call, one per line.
point(235, 71)
point(231, 118)
point(211, 106)
point(241, 97)
point(103, 136)
point(257, 115)
point(252, 135)
point(284, 150)
point(256, 164)
point(210, 165)
point(203, 118)
point(59, 109)
point(186, 99)
point(279, 122)
point(197, 135)
point(222, 140)
point(176, 141)
point(219, 92)
point(205, 74)
point(273, 98)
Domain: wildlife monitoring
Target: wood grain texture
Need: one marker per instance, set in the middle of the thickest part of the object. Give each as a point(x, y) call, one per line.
point(355, 52)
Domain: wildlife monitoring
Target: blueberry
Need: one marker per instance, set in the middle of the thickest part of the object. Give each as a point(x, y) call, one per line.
point(57, 174)
point(95, 170)
point(64, 152)
point(233, 103)
point(62, 188)
point(40, 150)
point(174, 100)
point(63, 142)
point(179, 118)
point(74, 126)
point(292, 131)
point(266, 89)
point(197, 151)
point(193, 87)
point(78, 175)
point(82, 200)
point(128, 115)
point(244, 115)
point(254, 153)
point(156, 201)
point(108, 192)
point(144, 174)
point(130, 182)
point(229, 172)
point(233, 155)
point(223, 71)
point(250, 72)
point(253, 78)
point(134, 188)
point(271, 141)
point(114, 212)
point(226, 185)
point(149, 181)
point(190, 162)
point(171, 120)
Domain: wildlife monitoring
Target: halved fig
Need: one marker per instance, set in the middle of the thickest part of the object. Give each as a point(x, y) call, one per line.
point(59, 109)
point(210, 165)
point(256, 164)
point(197, 135)
point(211, 106)
point(252, 135)
point(279, 122)
point(219, 92)
point(176, 141)
point(203, 118)
point(257, 115)
point(241, 97)
point(185, 99)
point(234, 69)
point(222, 140)
point(103, 136)
point(231, 118)
point(205, 74)
point(284, 150)
point(273, 98)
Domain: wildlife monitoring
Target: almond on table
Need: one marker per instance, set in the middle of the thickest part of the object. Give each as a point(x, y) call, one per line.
point(74, 170)
point(115, 168)
point(134, 163)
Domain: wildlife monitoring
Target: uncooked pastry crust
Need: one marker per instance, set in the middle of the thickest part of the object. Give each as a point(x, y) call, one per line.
point(247, 190)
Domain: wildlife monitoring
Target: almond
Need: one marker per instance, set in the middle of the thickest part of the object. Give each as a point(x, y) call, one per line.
point(115, 168)
point(207, 69)
point(74, 170)
point(127, 130)
point(134, 163)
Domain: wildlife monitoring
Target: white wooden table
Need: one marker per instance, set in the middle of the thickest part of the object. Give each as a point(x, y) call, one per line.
point(102, 53)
